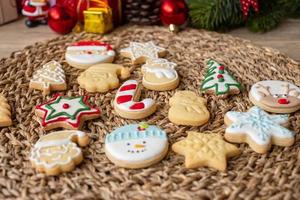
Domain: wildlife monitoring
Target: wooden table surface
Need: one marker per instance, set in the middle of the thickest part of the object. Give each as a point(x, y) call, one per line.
point(286, 38)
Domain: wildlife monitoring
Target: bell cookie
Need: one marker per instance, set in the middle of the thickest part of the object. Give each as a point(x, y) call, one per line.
point(200, 149)
point(275, 96)
point(66, 112)
point(84, 54)
point(102, 77)
point(136, 145)
point(186, 108)
point(126, 102)
point(51, 77)
point(219, 81)
point(258, 129)
point(140, 52)
point(5, 112)
point(160, 75)
point(57, 152)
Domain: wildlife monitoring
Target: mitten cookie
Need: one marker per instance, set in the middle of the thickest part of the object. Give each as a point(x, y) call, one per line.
point(140, 52)
point(136, 145)
point(219, 81)
point(160, 75)
point(186, 108)
point(57, 152)
point(84, 54)
point(102, 77)
point(51, 77)
point(275, 96)
point(257, 128)
point(127, 105)
point(5, 114)
point(66, 112)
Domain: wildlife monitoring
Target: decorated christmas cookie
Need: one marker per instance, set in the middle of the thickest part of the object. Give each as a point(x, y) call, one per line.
point(159, 74)
point(276, 96)
point(257, 128)
point(186, 108)
point(127, 105)
point(202, 149)
point(136, 145)
point(66, 112)
point(219, 81)
point(102, 77)
point(57, 152)
point(140, 52)
point(51, 77)
point(84, 54)
point(5, 114)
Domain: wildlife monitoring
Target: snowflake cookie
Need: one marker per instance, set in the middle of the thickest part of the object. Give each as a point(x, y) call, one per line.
point(258, 128)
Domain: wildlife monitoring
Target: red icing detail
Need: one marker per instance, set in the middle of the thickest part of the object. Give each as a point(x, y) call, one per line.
point(220, 76)
point(123, 99)
point(221, 68)
point(92, 43)
point(128, 87)
point(283, 101)
point(141, 129)
point(66, 106)
point(137, 106)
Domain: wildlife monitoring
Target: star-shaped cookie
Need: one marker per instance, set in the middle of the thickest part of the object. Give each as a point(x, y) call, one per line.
point(66, 112)
point(258, 128)
point(140, 52)
point(202, 149)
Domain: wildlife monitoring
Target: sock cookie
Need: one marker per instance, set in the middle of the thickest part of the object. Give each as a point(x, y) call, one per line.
point(160, 75)
point(126, 102)
point(275, 96)
point(186, 108)
point(5, 113)
point(258, 129)
point(57, 152)
point(136, 145)
point(66, 112)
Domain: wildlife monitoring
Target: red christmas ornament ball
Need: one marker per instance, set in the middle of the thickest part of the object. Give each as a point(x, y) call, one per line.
point(173, 12)
point(59, 20)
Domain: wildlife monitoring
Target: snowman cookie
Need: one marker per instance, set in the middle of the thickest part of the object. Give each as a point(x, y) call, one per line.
point(57, 152)
point(136, 145)
point(83, 54)
point(275, 96)
point(160, 75)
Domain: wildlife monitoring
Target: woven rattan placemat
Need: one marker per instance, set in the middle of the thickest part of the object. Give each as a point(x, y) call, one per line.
point(274, 175)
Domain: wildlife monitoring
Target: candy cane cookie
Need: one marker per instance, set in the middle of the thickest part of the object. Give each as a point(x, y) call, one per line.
point(126, 102)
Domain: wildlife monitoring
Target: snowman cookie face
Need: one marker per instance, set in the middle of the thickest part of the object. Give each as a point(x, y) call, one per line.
point(275, 96)
point(83, 54)
point(136, 146)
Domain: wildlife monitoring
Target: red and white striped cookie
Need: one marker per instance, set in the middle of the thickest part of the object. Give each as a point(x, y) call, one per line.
point(83, 54)
point(127, 105)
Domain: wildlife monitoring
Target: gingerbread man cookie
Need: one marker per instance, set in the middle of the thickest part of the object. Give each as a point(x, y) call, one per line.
point(5, 114)
point(136, 145)
point(57, 152)
point(84, 54)
point(51, 77)
point(186, 108)
point(257, 128)
point(160, 75)
point(140, 52)
point(127, 105)
point(102, 77)
point(66, 112)
point(275, 96)
point(202, 149)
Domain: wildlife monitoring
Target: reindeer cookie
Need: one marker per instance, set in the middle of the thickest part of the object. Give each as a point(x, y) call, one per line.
point(275, 96)
point(188, 109)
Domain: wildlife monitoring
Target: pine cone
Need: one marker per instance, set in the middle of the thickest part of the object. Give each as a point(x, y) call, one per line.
point(144, 12)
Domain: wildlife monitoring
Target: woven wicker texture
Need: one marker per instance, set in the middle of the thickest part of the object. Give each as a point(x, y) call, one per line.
point(274, 175)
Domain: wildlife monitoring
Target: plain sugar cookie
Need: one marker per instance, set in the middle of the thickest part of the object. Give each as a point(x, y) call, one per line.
point(5, 112)
point(275, 96)
point(136, 145)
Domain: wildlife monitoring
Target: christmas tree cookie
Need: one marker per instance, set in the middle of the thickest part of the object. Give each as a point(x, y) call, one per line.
point(219, 81)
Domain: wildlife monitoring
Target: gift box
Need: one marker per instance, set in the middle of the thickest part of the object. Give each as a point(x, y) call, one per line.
point(98, 20)
point(8, 11)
